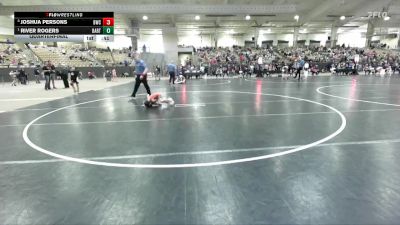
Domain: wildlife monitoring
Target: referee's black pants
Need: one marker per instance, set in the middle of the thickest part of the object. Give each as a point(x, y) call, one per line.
point(171, 77)
point(137, 84)
point(298, 72)
point(65, 80)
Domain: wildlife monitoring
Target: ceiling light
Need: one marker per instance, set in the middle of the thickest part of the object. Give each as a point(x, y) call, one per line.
point(145, 17)
point(386, 18)
point(296, 17)
point(156, 32)
point(342, 18)
point(248, 17)
point(197, 17)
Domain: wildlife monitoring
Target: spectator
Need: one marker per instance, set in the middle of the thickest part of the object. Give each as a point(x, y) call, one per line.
point(74, 79)
point(91, 75)
point(47, 71)
point(52, 74)
point(36, 73)
point(107, 75)
point(114, 74)
point(64, 75)
point(14, 76)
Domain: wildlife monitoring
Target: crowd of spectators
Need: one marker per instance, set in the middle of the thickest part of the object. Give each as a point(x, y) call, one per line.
point(12, 55)
point(122, 57)
point(236, 60)
point(265, 61)
point(20, 60)
point(70, 56)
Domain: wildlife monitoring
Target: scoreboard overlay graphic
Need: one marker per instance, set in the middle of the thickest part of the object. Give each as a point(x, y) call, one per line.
point(64, 26)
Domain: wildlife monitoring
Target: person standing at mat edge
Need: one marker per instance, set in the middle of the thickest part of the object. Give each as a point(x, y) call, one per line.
point(141, 74)
point(36, 71)
point(64, 76)
point(171, 69)
point(74, 74)
point(299, 67)
point(47, 70)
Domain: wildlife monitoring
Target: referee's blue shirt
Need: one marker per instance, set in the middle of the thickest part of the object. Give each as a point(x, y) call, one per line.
point(171, 67)
point(140, 66)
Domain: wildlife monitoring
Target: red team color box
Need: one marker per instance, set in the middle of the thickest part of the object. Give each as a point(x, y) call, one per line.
point(108, 22)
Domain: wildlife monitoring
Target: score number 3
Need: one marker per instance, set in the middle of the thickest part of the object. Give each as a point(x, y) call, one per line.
point(108, 21)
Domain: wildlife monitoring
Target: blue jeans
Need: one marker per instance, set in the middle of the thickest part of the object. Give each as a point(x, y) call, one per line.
point(47, 84)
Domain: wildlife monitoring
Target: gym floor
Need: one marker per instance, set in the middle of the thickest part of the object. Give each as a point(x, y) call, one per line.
point(233, 151)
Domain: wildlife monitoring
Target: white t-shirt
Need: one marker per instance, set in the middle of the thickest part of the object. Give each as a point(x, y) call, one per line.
point(260, 60)
point(382, 71)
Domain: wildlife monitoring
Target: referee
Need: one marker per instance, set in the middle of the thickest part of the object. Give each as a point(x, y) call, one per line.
point(171, 68)
point(141, 74)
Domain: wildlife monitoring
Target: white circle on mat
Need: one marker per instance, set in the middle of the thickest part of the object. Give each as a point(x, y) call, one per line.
point(352, 99)
point(185, 165)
